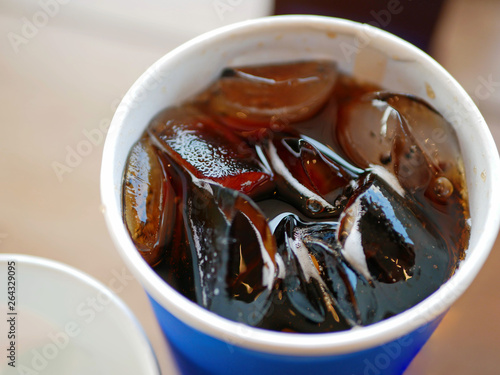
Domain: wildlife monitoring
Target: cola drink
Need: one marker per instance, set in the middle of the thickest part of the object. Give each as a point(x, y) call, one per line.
point(292, 197)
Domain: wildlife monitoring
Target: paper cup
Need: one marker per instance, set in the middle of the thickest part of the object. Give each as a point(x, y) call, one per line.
point(61, 321)
point(206, 343)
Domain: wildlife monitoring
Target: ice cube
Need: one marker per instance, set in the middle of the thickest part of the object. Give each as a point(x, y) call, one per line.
point(272, 95)
point(208, 151)
point(233, 249)
point(405, 135)
point(399, 257)
point(303, 301)
point(148, 201)
point(307, 179)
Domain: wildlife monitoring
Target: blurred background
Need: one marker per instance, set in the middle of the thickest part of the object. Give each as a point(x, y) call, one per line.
point(65, 65)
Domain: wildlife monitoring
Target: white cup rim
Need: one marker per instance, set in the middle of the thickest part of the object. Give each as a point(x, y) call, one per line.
point(303, 344)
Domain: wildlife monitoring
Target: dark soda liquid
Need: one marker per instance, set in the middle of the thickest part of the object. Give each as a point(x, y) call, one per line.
point(292, 197)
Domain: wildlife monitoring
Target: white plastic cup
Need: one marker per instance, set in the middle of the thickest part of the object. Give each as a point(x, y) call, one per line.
point(206, 343)
point(62, 321)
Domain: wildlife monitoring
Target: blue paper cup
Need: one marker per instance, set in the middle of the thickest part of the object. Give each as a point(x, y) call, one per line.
point(205, 343)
